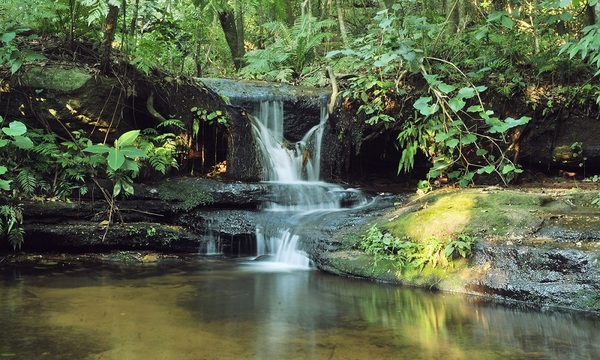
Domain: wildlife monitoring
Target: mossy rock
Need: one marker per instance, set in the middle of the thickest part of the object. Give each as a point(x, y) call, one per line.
point(53, 78)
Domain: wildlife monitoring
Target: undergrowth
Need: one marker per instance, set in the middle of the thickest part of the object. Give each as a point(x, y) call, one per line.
point(407, 254)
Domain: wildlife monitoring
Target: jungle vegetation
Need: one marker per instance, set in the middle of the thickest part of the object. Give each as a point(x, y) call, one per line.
point(426, 70)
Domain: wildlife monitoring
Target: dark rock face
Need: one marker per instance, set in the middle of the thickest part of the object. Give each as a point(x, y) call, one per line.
point(564, 141)
point(174, 216)
point(179, 215)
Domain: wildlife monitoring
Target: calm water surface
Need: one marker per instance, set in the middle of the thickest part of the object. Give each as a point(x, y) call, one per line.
point(238, 309)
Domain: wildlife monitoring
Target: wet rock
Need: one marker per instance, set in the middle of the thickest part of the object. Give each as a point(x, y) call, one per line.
point(544, 277)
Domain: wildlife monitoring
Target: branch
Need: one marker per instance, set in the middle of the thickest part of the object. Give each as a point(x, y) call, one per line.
point(334, 90)
point(151, 110)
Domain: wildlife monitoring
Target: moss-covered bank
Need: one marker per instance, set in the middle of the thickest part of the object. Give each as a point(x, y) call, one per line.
point(537, 245)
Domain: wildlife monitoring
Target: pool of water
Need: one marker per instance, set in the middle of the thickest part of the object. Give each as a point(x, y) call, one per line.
point(240, 309)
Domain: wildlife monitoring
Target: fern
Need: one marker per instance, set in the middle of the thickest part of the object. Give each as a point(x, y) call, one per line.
point(16, 237)
point(98, 9)
point(172, 122)
point(291, 52)
point(11, 219)
point(27, 182)
point(158, 163)
point(498, 64)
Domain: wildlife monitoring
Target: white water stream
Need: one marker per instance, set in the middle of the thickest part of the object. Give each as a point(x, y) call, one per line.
point(293, 171)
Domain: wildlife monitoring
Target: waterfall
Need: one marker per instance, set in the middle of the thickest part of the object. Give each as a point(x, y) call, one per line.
point(213, 244)
point(293, 171)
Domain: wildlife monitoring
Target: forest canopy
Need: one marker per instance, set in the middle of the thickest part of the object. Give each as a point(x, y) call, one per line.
point(431, 72)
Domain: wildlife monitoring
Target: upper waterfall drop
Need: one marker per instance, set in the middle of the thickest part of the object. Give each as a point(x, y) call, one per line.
point(287, 162)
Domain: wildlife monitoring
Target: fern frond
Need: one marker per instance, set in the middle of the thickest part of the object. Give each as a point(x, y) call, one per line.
point(45, 148)
point(172, 122)
point(16, 237)
point(26, 181)
point(158, 163)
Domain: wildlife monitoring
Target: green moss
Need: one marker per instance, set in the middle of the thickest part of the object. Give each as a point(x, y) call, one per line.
point(66, 80)
point(587, 299)
point(153, 233)
point(441, 217)
point(186, 196)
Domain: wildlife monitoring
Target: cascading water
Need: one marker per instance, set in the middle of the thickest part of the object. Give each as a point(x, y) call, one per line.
point(292, 169)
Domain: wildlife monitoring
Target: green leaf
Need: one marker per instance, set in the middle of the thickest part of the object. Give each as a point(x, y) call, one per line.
point(486, 169)
point(8, 37)
point(30, 55)
point(466, 179)
point(432, 79)
point(23, 142)
point(115, 159)
point(442, 136)
point(456, 104)
point(466, 92)
point(454, 174)
point(130, 165)
point(3, 142)
point(128, 138)
point(482, 33)
point(446, 88)
point(5, 185)
point(468, 139)
point(475, 108)
point(127, 188)
point(16, 65)
point(422, 104)
point(133, 152)
point(15, 128)
point(3, 170)
point(566, 16)
point(481, 152)
point(452, 143)
point(385, 59)
point(97, 149)
point(117, 189)
point(507, 22)
point(508, 168)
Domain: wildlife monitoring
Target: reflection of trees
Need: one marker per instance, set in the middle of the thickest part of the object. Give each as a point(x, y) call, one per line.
point(442, 323)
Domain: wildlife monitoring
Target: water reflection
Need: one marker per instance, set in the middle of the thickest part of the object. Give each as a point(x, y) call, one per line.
point(217, 309)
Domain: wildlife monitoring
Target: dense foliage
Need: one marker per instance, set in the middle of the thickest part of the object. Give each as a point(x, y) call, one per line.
point(426, 71)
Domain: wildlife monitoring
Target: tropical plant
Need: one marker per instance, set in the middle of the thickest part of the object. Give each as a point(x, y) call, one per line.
point(450, 124)
point(588, 48)
point(11, 136)
point(11, 55)
point(122, 161)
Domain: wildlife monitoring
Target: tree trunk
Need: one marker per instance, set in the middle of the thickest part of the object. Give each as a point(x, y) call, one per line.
point(342, 24)
point(227, 20)
point(239, 23)
point(289, 12)
point(110, 28)
point(590, 15)
point(451, 10)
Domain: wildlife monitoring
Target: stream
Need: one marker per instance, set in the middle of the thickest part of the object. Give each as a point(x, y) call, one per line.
point(224, 308)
